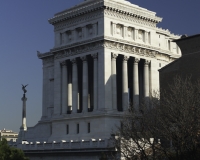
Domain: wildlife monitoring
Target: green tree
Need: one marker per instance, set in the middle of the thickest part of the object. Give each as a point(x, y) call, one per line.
point(10, 153)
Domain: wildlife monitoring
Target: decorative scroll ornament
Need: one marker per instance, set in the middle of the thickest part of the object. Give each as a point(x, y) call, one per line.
point(146, 62)
point(94, 55)
point(126, 58)
point(73, 61)
point(114, 55)
point(63, 63)
point(136, 60)
point(84, 58)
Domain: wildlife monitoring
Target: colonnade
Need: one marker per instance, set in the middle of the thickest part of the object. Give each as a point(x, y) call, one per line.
point(80, 97)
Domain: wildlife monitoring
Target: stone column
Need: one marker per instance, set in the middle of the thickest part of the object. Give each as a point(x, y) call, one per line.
point(135, 83)
point(114, 80)
point(64, 87)
point(146, 79)
point(24, 99)
point(74, 86)
point(125, 102)
point(146, 36)
point(69, 91)
point(95, 81)
point(85, 84)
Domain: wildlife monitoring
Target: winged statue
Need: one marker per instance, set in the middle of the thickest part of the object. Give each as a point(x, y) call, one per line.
point(24, 88)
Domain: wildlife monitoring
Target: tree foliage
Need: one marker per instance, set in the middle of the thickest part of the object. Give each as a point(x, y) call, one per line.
point(163, 129)
point(10, 153)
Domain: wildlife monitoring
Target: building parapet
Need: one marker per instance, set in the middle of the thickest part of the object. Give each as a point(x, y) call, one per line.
point(91, 144)
point(167, 32)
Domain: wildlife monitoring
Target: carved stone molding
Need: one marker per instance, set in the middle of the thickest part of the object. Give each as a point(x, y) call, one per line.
point(130, 18)
point(146, 62)
point(84, 58)
point(130, 49)
point(73, 60)
point(119, 46)
point(125, 58)
point(77, 20)
point(114, 55)
point(131, 42)
point(136, 60)
point(78, 11)
point(94, 55)
point(63, 63)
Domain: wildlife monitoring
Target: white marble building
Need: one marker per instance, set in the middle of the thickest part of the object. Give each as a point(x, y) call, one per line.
point(106, 54)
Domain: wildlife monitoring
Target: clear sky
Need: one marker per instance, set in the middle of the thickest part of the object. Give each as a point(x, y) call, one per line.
point(24, 29)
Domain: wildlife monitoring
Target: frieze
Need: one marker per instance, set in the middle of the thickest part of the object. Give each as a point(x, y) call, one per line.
point(108, 42)
point(130, 49)
point(79, 49)
point(130, 42)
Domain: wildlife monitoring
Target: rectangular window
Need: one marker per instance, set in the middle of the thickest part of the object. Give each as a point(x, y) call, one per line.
point(67, 129)
point(159, 64)
point(77, 128)
point(88, 127)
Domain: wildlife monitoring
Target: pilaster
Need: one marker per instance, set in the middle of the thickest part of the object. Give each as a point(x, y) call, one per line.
point(64, 87)
point(95, 80)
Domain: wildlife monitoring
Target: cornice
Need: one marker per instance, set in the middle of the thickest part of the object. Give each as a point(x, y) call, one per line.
point(44, 55)
point(135, 19)
point(76, 11)
point(91, 6)
point(127, 10)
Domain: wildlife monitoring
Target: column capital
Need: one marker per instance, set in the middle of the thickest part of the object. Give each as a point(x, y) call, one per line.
point(136, 60)
point(146, 62)
point(94, 55)
point(63, 63)
point(84, 58)
point(125, 58)
point(114, 55)
point(73, 60)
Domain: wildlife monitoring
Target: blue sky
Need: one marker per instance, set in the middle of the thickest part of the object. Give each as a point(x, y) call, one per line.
point(24, 29)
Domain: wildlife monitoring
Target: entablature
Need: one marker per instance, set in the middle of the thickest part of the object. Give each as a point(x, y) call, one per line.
point(122, 8)
point(110, 43)
point(76, 11)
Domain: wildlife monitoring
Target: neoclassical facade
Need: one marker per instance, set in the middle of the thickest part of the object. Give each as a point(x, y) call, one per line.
point(107, 54)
